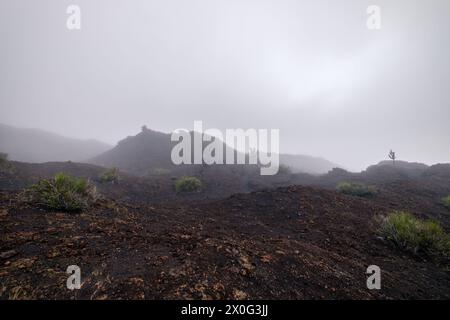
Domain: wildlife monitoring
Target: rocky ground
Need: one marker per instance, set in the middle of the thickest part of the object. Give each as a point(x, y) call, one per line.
point(286, 243)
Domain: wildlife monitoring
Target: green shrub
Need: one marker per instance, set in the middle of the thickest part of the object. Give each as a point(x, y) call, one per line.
point(446, 202)
point(160, 172)
point(188, 184)
point(63, 192)
point(412, 234)
point(110, 175)
point(5, 165)
point(3, 157)
point(356, 189)
point(284, 169)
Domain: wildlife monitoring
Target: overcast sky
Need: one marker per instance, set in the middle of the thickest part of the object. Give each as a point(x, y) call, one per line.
point(311, 68)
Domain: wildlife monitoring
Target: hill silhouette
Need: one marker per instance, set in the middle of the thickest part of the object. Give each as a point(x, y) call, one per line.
point(149, 151)
point(35, 145)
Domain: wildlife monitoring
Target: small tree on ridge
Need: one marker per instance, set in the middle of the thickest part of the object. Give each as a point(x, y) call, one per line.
point(392, 156)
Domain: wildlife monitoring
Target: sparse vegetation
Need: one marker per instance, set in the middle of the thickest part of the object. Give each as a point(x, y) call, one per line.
point(160, 172)
point(5, 165)
point(356, 189)
point(284, 169)
point(416, 235)
point(446, 202)
point(3, 158)
point(188, 184)
point(110, 175)
point(63, 192)
point(392, 156)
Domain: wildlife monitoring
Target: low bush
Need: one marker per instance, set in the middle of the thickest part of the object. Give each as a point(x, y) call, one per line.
point(63, 192)
point(416, 235)
point(160, 172)
point(3, 157)
point(356, 189)
point(188, 184)
point(110, 175)
point(5, 165)
point(284, 169)
point(446, 202)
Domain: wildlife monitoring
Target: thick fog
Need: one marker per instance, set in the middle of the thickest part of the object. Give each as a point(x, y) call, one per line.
point(311, 68)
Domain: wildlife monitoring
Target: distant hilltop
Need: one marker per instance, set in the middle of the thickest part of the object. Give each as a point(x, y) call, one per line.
point(34, 145)
point(150, 150)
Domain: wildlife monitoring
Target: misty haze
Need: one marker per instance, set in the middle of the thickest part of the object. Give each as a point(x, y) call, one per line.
point(91, 93)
